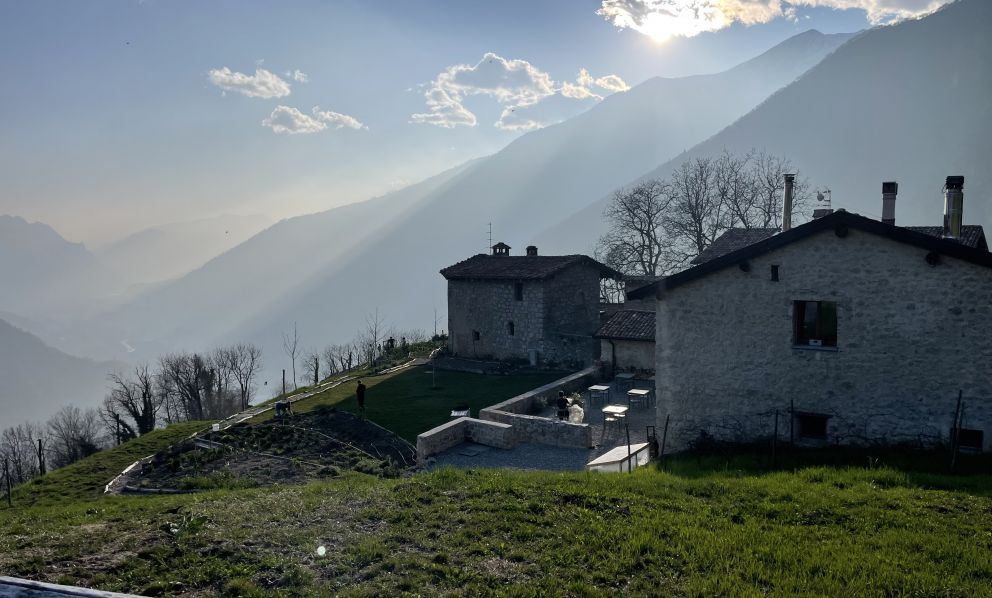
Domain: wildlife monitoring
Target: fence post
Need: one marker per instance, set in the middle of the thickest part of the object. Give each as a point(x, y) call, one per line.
point(6, 476)
point(792, 423)
point(664, 437)
point(954, 431)
point(630, 466)
point(41, 458)
point(775, 442)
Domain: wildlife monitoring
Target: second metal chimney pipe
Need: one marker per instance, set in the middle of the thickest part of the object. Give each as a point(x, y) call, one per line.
point(790, 180)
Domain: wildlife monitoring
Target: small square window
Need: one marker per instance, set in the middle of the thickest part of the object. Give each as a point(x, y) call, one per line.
point(518, 291)
point(970, 439)
point(815, 323)
point(475, 335)
point(811, 425)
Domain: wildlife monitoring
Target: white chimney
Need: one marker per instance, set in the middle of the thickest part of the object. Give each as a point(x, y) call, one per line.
point(889, 191)
point(953, 206)
point(790, 180)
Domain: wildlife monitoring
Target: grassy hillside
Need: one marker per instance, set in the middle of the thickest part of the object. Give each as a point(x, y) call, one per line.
point(711, 529)
point(85, 479)
point(405, 402)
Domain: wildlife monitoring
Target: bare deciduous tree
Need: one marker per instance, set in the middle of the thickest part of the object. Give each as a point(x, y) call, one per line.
point(244, 361)
point(133, 401)
point(636, 241)
point(657, 227)
point(19, 445)
point(74, 434)
point(291, 345)
point(311, 366)
point(370, 339)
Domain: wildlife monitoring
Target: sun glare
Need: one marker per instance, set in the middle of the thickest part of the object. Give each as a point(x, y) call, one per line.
point(681, 22)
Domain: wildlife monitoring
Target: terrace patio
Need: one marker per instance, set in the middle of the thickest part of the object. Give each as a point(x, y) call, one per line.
point(530, 455)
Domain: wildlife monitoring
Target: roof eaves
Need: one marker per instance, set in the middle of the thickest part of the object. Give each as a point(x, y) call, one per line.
point(836, 221)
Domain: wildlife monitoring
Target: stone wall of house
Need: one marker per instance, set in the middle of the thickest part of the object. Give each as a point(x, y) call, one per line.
point(556, 318)
point(909, 337)
point(628, 354)
point(488, 307)
point(571, 317)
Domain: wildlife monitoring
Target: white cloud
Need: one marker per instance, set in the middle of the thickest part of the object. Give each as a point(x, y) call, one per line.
point(289, 120)
point(515, 84)
point(298, 76)
point(263, 84)
point(661, 19)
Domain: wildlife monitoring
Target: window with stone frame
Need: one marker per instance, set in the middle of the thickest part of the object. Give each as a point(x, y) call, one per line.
point(510, 328)
point(815, 323)
point(518, 291)
point(475, 335)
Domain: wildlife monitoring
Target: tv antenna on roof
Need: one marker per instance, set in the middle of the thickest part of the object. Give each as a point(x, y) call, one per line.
point(490, 246)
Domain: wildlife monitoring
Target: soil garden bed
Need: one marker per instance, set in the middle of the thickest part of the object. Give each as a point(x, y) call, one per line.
point(296, 449)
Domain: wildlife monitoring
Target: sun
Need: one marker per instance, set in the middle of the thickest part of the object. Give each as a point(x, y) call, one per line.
point(681, 21)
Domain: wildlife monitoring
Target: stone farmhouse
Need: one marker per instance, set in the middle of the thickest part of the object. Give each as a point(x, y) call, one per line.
point(537, 308)
point(844, 330)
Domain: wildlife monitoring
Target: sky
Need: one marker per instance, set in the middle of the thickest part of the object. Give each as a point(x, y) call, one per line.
point(116, 116)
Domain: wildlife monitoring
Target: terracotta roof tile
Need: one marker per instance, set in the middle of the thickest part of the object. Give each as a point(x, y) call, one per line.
point(629, 324)
point(519, 267)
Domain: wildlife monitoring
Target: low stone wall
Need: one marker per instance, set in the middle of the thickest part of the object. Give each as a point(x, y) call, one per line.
point(459, 430)
point(543, 430)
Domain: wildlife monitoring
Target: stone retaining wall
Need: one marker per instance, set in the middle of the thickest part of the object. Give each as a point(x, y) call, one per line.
point(543, 430)
point(506, 424)
point(458, 431)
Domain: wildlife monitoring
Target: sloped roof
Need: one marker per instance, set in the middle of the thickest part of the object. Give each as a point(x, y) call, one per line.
point(630, 325)
point(972, 235)
point(732, 240)
point(521, 267)
point(839, 221)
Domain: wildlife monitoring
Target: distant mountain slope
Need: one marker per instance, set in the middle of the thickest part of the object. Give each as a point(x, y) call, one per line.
point(36, 380)
point(326, 271)
point(42, 275)
point(214, 302)
point(170, 250)
point(910, 102)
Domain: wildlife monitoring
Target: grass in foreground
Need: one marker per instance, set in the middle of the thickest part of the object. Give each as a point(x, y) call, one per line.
point(405, 402)
point(821, 530)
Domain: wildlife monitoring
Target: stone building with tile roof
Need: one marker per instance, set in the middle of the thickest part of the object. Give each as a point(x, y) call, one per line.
point(844, 330)
point(529, 307)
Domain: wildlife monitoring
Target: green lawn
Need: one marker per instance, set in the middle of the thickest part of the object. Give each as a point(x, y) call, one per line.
point(710, 530)
point(86, 479)
point(406, 403)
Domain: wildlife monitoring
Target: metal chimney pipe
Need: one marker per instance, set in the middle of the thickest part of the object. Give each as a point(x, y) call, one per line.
point(889, 191)
point(790, 180)
point(953, 206)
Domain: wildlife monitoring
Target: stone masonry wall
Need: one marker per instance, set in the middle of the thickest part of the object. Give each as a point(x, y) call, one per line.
point(459, 430)
point(544, 430)
point(488, 307)
point(571, 316)
point(909, 336)
point(629, 354)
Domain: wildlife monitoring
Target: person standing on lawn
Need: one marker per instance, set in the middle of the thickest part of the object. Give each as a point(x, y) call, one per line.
point(360, 395)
